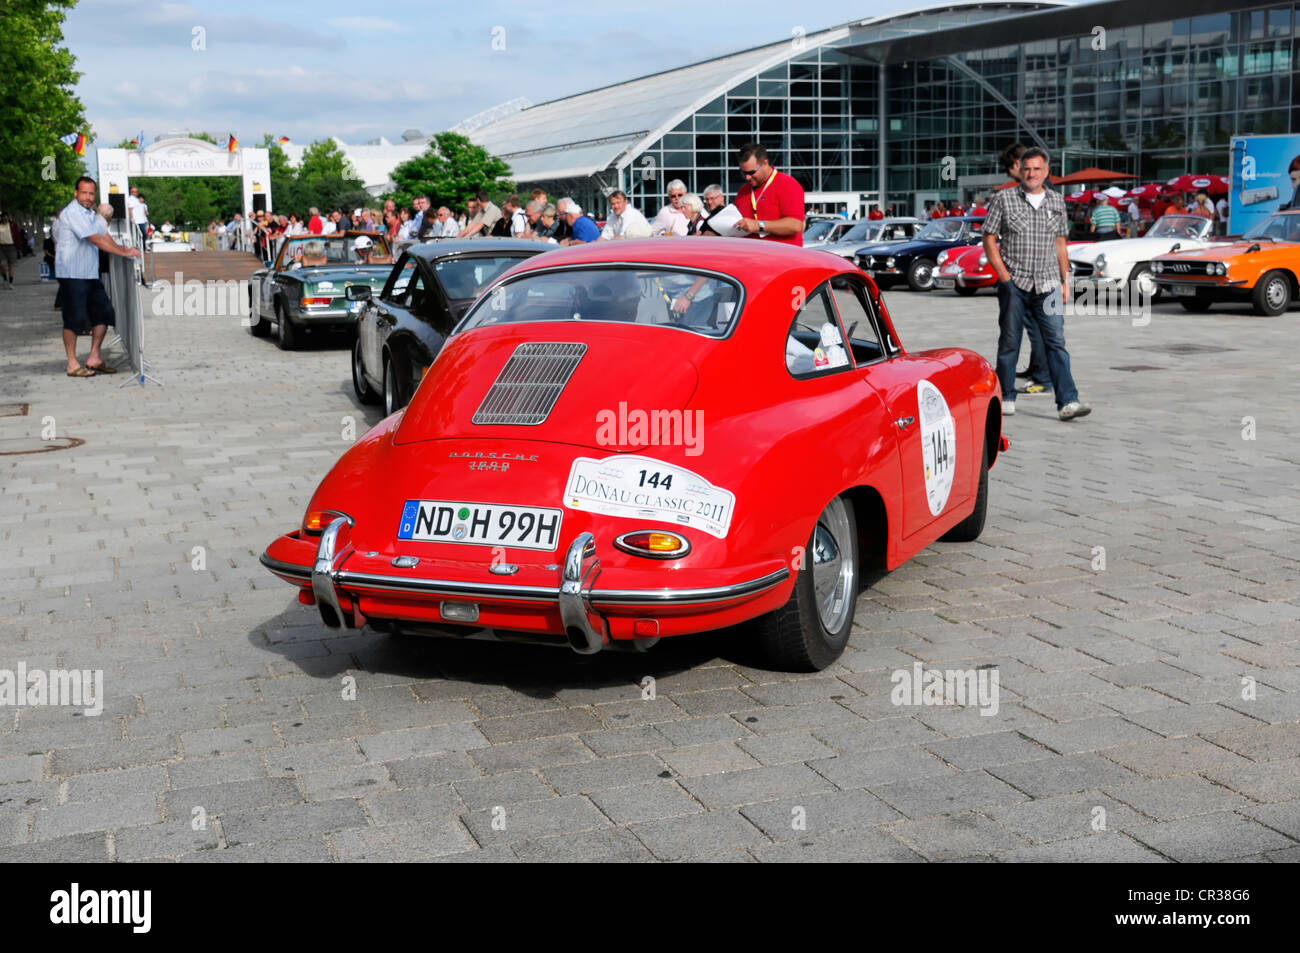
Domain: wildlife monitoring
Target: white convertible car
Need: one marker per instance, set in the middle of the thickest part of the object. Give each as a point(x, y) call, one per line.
point(1109, 264)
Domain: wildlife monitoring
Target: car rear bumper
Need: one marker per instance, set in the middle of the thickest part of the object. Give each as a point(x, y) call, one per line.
point(573, 606)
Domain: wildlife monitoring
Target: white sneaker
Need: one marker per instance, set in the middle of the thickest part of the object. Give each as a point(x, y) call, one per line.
point(1008, 408)
point(1075, 409)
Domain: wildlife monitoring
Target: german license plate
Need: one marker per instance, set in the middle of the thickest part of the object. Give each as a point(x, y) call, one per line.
point(480, 524)
point(868, 272)
point(944, 283)
point(1184, 291)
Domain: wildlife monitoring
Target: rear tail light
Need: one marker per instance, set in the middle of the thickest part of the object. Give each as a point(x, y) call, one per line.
point(655, 544)
point(316, 521)
point(308, 302)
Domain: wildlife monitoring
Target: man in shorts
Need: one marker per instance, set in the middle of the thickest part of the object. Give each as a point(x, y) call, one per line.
point(79, 235)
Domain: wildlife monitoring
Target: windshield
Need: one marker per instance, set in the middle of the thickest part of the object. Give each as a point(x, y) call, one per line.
point(944, 230)
point(335, 250)
point(861, 232)
point(655, 296)
point(1279, 226)
point(1180, 226)
point(817, 231)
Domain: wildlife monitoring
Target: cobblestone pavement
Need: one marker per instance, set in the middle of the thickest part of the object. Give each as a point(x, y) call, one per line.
point(1127, 728)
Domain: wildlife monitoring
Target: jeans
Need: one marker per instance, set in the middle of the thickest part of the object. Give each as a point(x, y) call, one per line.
point(1038, 372)
point(1021, 311)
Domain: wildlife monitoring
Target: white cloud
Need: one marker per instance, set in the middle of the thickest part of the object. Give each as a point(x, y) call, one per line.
point(365, 24)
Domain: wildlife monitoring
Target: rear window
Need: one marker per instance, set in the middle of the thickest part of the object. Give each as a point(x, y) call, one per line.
point(466, 277)
point(704, 303)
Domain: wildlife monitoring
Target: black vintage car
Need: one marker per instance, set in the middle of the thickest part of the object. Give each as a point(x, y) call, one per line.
point(430, 288)
point(914, 261)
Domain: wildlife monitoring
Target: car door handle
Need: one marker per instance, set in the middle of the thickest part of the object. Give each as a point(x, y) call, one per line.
point(905, 422)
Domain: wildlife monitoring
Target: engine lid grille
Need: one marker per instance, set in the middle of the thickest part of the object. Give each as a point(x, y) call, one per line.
point(530, 383)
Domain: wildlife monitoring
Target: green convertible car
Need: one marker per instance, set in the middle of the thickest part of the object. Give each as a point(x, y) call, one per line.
point(303, 291)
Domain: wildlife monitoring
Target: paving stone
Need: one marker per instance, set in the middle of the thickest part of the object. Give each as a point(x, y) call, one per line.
point(287, 823)
point(947, 795)
point(797, 817)
point(1170, 757)
point(1268, 782)
point(955, 837)
point(1089, 734)
point(1006, 747)
point(83, 817)
point(1066, 816)
point(531, 754)
point(696, 760)
point(479, 793)
point(527, 820)
point(540, 725)
point(171, 838)
point(302, 759)
point(413, 742)
point(1261, 743)
point(311, 850)
point(349, 781)
point(1208, 838)
point(785, 749)
point(199, 772)
point(613, 846)
point(107, 785)
point(645, 802)
point(426, 805)
point(760, 784)
point(678, 837)
point(701, 731)
point(1102, 847)
point(864, 769)
point(1283, 817)
point(606, 773)
point(853, 846)
point(1062, 775)
point(232, 796)
point(73, 849)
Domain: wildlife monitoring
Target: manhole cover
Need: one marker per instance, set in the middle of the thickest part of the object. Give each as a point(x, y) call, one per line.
point(1137, 367)
point(14, 410)
point(19, 445)
point(1183, 348)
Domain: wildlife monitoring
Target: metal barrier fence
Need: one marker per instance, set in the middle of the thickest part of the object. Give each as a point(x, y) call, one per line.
point(125, 285)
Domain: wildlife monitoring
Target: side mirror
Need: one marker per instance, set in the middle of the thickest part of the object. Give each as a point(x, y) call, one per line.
point(357, 292)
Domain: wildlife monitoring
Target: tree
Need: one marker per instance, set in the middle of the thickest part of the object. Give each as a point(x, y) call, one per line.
point(37, 107)
point(452, 169)
point(327, 179)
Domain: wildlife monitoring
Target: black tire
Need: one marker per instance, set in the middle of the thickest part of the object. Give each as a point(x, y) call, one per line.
point(258, 326)
point(1201, 303)
point(1142, 273)
point(365, 393)
point(394, 398)
point(920, 274)
point(1272, 293)
point(969, 529)
point(285, 338)
point(964, 290)
point(795, 638)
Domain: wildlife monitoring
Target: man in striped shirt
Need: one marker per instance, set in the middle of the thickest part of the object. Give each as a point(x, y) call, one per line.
point(1105, 220)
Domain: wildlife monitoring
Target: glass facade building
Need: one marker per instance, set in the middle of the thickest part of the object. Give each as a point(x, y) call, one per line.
point(921, 103)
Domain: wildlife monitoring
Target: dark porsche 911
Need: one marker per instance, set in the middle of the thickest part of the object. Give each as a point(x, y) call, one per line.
point(914, 261)
point(430, 288)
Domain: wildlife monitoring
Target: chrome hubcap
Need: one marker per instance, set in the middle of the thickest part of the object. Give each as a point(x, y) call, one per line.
point(833, 566)
point(388, 391)
point(1275, 293)
point(1146, 284)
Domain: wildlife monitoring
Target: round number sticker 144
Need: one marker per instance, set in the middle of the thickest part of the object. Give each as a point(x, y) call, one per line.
point(938, 445)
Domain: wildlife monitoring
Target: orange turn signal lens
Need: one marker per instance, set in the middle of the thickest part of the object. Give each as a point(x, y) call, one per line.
point(654, 543)
point(316, 521)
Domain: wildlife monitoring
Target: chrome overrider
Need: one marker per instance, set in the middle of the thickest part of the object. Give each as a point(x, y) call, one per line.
point(585, 627)
point(322, 573)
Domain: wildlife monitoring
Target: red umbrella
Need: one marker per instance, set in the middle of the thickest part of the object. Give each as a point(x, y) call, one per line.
point(1147, 192)
point(1089, 194)
point(1211, 184)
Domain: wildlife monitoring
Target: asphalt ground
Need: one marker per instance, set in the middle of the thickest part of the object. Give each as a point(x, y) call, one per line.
point(1137, 590)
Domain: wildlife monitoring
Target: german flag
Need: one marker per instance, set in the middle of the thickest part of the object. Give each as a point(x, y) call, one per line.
point(283, 140)
point(77, 140)
point(233, 144)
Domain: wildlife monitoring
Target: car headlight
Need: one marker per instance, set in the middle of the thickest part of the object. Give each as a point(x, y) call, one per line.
point(1157, 267)
point(1099, 265)
point(943, 256)
point(1218, 268)
point(889, 262)
point(984, 260)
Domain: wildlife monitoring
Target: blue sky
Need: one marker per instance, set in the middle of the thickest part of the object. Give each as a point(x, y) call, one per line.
point(359, 70)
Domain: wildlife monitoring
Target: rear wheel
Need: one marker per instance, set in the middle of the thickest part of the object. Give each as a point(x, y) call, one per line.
point(1272, 294)
point(285, 339)
point(810, 631)
point(969, 529)
point(920, 275)
point(365, 393)
point(394, 399)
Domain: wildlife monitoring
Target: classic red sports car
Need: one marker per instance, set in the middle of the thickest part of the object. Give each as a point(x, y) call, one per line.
point(967, 270)
point(641, 439)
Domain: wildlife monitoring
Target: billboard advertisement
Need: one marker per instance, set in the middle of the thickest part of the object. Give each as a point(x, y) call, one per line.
point(1261, 178)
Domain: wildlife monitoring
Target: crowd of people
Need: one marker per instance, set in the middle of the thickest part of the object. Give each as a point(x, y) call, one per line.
point(771, 202)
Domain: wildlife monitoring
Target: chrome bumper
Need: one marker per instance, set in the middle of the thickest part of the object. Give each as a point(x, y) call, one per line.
point(585, 626)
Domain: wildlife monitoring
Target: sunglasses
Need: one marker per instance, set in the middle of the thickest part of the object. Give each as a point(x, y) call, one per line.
point(753, 171)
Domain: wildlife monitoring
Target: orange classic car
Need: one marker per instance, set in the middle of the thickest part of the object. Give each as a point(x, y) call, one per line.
point(1261, 267)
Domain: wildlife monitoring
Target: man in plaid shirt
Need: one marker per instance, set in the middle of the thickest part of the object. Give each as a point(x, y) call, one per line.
point(1033, 279)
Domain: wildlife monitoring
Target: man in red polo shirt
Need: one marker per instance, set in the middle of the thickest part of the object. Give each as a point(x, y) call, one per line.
point(770, 202)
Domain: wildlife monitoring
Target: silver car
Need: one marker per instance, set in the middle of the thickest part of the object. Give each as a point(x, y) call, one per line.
point(866, 232)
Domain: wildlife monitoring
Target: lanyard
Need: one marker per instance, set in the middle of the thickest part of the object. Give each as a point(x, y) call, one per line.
point(753, 200)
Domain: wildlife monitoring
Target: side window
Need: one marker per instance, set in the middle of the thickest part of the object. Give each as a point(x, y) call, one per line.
point(814, 345)
point(859, 320)
point(398, 280)
point(413, 297)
